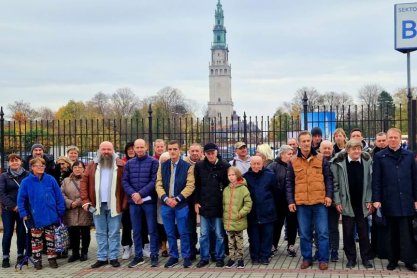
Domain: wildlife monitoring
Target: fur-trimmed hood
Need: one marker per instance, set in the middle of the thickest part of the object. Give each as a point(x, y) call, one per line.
point(341, 156)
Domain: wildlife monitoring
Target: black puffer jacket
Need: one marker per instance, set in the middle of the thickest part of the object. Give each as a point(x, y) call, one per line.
point(279, 168)
point(9, 187)
point(210, 179)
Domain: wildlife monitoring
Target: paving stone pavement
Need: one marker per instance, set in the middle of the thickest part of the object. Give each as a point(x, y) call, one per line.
point(280, 266)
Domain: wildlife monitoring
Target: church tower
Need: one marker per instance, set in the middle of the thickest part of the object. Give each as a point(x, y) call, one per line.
point(220, 75)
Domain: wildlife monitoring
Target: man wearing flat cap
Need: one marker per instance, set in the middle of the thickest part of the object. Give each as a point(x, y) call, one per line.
point(242, 158)
point(210, 179)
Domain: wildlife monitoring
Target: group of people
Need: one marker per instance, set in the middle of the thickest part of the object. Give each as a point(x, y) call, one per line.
point(160, 198)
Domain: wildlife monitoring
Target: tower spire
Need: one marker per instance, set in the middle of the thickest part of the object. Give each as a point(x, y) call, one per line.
point(219, 31)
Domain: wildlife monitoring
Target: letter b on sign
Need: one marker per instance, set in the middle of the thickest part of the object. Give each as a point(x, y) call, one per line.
point(409, 29)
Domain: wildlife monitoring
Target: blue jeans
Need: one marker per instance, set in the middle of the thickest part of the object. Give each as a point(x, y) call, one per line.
point(107, 234)
point(260, 240)
point(208, 225)
point(169, 215)
point(136, 217)
point(9, 219)
point(317, 215)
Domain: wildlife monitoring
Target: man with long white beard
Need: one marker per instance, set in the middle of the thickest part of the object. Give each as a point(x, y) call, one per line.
point(102, 194)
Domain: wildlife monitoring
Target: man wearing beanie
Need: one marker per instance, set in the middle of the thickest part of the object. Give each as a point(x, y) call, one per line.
point(38, 150)
point(317, 137)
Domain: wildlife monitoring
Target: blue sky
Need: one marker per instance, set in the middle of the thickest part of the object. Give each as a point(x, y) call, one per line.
point(54, 51)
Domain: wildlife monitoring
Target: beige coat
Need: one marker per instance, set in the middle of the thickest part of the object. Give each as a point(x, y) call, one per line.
point(74, 216)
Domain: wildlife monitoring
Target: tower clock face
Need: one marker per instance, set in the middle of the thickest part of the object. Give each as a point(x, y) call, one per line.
point(219, 55)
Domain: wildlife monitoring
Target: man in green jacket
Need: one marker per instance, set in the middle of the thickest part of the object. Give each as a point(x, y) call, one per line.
point(351, 171)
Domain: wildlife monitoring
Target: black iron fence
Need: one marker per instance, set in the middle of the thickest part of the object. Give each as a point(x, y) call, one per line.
point(56, 135)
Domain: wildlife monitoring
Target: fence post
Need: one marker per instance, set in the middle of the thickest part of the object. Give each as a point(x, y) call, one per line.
point(385, 119)
point(305, 108)
point(245, 129)
point(2, 154)
point(150, 139)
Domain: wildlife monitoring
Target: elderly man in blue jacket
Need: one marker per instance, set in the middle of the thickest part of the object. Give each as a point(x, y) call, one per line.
point(139, 178)
point(394, 189)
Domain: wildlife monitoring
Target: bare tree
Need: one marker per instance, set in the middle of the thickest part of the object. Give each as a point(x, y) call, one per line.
point(46, 113)
point(124, 103)
point(100, 102)
point(334, 99)
point(21, 111)
point(369, 94)
point(171, 102)
point(312, 95)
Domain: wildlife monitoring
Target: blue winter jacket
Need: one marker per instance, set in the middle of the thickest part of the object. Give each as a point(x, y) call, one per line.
point(394, 182)
point(262, 188)
point(41, 200)
point(139, 175)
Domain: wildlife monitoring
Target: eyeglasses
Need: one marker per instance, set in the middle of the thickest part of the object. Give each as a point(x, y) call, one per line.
point(38, 166)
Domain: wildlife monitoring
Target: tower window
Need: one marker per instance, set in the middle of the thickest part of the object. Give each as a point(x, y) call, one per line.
point(218, 100)
point(218, 38)
point(212, 71)
point(225, 71)
point(221, 71)
point(218, 22)
point(216, 71)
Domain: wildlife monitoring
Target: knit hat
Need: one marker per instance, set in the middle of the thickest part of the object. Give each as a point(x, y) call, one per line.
point(35, 146)
point(316, 131)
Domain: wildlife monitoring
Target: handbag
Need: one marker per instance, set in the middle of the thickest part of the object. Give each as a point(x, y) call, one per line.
point(61, 237)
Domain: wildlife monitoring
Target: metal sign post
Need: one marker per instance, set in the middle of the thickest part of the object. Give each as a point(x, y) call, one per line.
point(406, 42)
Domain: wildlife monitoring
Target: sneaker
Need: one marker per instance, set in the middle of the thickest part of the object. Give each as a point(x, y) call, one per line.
point(219, 263)
point(127, 252)
point(171, 262)
point(230, 263)
point(334, 256)
point(38, 264)
point(114, 263)
point(202, 263)
point(154, 261)
point(135, 262)
point(240, 264)
point(98, 264)
point(274, 251)
point(5, 263)
point(187, 263)
point(291, 251)
point(73, 258)
point(83, 257)
point(52, 263)
point(264, 261)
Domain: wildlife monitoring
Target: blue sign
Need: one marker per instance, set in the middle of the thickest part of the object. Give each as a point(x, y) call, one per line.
point(325, 120)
